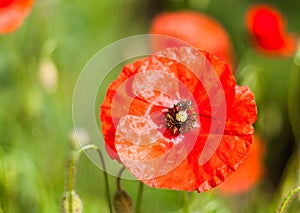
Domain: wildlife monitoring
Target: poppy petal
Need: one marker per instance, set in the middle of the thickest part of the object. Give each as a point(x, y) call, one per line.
point(138, 113)
point(249, 173)
point(107, 118)
point(239, 121)
point(267, 27)
point(198, 29)
point(189, 175)
point(120, 98)
point(227, 158)
point(13, 13)
point(151, 87)
point(139, 130)
point(152, 158)
point(203, 75)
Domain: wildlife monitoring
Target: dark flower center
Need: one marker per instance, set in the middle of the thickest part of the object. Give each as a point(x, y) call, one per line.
point(181, 118)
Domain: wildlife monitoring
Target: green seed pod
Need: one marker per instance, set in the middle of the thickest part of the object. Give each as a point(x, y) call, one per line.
point(122, 202)
point(71, 203)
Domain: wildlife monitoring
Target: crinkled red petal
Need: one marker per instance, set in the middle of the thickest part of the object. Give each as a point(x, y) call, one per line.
point(106, 117)
point(243, 113)
point(203, 82)
point(249, 173)
point(121, 91)
point(190, 174)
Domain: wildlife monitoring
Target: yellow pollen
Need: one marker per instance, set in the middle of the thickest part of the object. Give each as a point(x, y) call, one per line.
point(181, 116)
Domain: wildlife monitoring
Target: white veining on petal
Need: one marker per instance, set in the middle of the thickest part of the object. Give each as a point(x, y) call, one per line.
point(195, 61)
point(156, 87)
point(138, 130)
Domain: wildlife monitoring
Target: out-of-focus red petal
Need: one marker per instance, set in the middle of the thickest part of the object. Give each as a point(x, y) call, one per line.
point(263, 19)
point(13, 13)
point(243, 114)
point(249, 173)
point(5, 3)
point(198, 29)
point(285, 45)
point(267, 26)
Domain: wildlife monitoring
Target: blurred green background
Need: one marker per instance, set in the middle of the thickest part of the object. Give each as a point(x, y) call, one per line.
point(36, 108)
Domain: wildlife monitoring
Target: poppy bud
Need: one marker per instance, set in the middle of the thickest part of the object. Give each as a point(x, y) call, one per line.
point(75, 200)
point(79, 137)
point(48, 75)
point(122, 202)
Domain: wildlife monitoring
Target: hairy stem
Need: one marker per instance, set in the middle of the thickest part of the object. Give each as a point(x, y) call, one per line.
point(287, 198)
point(70, 182)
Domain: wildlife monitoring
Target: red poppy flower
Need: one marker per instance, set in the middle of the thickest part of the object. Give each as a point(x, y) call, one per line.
point(267, 27)
point(162, 119)
point(12, 14)
point(198, 29)
point(249, 173)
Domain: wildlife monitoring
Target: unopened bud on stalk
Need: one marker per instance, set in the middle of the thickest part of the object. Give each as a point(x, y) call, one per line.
point(79, 137)
point(71, 203)
point(122, 202)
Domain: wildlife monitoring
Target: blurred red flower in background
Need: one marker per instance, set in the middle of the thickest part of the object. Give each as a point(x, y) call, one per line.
point(267, 27)
point(198, 29)
point(13, 13)
point(149, 128)
point(250, 171)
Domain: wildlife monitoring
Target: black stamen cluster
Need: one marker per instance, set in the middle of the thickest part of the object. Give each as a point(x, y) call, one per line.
point(178, 127)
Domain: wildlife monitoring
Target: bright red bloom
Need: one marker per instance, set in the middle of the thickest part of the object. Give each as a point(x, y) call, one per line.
point(267, 27)
point(198, 29)
point(146, 99)
point(249, 173)
point(13, 13)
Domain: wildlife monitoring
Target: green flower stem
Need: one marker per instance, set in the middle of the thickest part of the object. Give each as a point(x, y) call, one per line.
point(119, 178)
point(72, 174)
point(186, 208)
point(106, 181)
point(287, 198)
point(71, 179)
point(138, 205)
